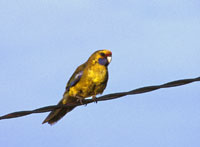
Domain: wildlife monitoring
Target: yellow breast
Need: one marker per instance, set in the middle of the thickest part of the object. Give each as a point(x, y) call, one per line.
point(92, 82)
point(97, 74)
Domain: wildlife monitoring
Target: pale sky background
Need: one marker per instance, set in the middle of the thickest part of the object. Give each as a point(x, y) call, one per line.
point(153, 42)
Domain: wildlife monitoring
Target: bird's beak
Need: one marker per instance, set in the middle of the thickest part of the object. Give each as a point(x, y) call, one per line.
point(109, 58)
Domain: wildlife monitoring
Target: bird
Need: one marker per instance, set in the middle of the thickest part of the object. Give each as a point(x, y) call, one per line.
point(88, 80)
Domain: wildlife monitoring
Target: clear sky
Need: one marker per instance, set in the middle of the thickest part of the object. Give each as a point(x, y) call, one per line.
point(153, 42)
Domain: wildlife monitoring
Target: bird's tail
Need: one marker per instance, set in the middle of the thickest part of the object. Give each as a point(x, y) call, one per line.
point(57, 114)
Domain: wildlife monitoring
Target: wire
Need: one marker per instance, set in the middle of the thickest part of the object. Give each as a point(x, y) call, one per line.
point(102, 98)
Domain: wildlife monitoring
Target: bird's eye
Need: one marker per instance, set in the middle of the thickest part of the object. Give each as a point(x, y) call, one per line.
point(102, 54)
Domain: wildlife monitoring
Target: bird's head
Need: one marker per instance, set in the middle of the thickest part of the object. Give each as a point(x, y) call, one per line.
point(103, 57)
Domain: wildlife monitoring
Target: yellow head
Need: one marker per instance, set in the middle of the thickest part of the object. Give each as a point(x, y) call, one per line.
point(103, 57)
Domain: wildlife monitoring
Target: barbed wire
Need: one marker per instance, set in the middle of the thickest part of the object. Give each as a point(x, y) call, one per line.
point(102, 98)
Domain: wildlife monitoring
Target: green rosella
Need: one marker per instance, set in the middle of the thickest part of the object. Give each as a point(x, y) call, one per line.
point(89, 79)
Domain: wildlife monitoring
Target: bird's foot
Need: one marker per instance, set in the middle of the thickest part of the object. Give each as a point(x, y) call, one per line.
point(94, 98)
point(80, 99)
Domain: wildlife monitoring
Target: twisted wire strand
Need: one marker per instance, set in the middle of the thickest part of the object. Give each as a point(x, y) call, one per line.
point(102, 98)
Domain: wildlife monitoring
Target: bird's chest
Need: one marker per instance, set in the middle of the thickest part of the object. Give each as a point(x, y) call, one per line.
point(97, 75)
point(92, 82)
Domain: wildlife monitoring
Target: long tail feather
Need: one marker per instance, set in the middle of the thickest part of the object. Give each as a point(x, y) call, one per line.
point(57, 114)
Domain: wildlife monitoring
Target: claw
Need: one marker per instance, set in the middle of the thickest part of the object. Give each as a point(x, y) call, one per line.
point(80, 99)
point(94, 98)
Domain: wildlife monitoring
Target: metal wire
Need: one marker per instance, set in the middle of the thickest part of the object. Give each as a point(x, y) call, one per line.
point(102, 98)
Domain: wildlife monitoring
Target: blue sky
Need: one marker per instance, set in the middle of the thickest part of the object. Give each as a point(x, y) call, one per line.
point(153, 42)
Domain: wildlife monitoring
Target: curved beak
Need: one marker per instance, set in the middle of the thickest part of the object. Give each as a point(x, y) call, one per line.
point(109, 58)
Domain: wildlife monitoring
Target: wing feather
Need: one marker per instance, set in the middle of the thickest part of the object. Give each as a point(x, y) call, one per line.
point(75, 78)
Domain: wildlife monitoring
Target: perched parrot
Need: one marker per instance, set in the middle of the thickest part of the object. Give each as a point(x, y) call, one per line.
point(89, 79)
